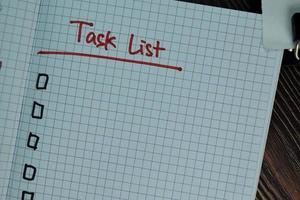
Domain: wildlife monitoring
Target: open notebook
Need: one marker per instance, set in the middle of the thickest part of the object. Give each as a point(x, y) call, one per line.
point(132, 100)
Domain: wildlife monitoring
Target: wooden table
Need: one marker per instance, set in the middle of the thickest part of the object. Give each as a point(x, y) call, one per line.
point(280, 175)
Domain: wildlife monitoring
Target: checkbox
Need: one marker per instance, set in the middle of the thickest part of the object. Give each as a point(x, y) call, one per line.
point(42, 81)
point(37, 110)
point(27, 195)
point(29, 172)
point(32, 141)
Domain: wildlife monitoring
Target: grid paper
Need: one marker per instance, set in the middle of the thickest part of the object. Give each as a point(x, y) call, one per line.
point(114, 130)
point(17, 25)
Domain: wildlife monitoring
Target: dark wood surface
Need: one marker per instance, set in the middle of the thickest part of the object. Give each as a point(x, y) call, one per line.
point(280, 174)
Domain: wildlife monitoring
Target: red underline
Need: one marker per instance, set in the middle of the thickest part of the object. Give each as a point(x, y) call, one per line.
point(109, 58)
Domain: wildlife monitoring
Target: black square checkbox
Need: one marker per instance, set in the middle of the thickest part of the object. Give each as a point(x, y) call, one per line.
point(29, 172)
point(32, 141)
point(42, 81)
point(27, 195)
point(37, 110)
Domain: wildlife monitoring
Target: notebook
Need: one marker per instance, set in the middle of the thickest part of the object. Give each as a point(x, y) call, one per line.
point(132, 100)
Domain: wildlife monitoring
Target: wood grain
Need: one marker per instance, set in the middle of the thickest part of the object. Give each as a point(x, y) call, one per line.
point(280, 175)
point(245, 5)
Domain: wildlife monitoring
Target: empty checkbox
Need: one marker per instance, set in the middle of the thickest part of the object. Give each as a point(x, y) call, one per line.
point(37, 110)
point(42, 81)
point(27, 195)
point(32, 141)
point(29, 172)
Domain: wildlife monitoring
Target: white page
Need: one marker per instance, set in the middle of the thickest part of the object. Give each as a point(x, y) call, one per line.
point(113, 129)
point(17, 28)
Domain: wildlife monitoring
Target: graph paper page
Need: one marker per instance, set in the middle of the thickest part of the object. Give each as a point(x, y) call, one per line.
point(144, 100)
point(17, 28)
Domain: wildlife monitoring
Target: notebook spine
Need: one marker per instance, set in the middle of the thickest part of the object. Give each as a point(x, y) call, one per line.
point(29, 170)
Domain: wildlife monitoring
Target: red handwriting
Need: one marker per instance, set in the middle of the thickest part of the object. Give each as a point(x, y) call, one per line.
point(145, 47)
point(99, 40)
point(110, 58)
point(107, 40)
point(81, 23)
